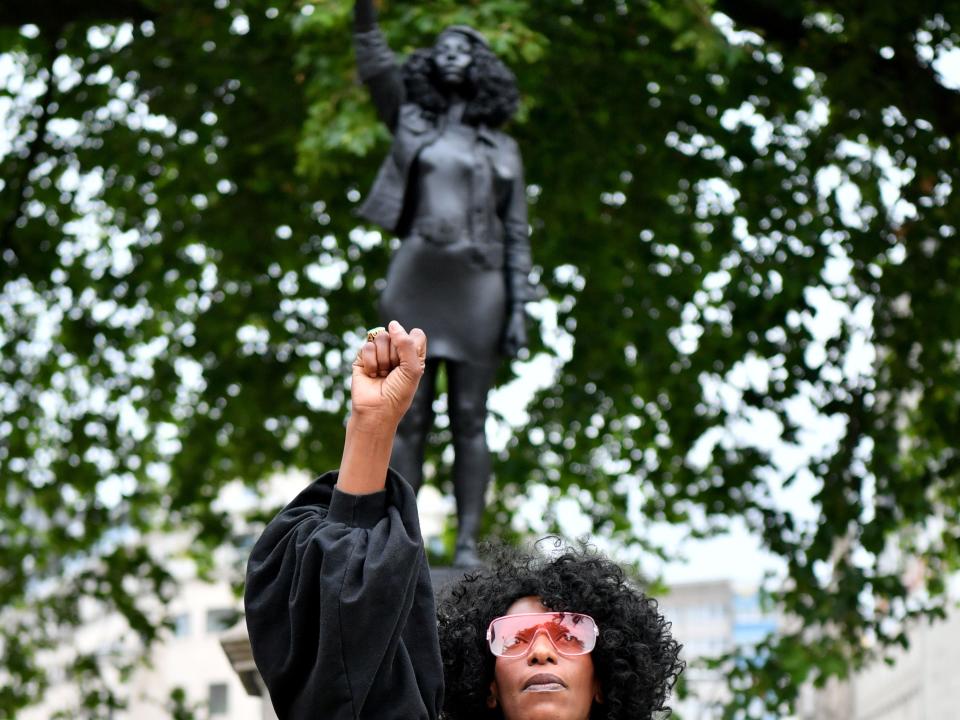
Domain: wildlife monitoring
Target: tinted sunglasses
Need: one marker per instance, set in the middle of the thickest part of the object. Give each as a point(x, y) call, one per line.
point(571, 633)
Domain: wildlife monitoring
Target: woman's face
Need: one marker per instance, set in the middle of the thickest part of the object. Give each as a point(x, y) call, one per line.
point(543, 685)
point(452, 54)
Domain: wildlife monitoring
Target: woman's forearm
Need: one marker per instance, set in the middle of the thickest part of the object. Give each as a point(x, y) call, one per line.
point(366, 457)
point(385, 377)
point(364, 16)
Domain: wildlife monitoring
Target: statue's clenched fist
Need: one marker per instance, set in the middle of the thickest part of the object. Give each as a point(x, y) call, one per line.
point(386, 374)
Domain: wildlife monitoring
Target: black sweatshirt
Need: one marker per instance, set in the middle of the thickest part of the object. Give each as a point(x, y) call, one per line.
point(340, 607)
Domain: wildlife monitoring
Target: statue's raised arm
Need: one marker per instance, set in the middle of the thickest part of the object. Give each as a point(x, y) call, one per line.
point(376, 64)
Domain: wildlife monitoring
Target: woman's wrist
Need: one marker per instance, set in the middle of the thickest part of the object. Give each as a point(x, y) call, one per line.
point(366, 455)
point(371, 427)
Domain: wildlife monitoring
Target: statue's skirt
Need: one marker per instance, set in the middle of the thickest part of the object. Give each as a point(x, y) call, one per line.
point(452, 294)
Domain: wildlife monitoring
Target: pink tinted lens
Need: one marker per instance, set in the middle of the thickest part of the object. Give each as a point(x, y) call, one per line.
point(570, 633)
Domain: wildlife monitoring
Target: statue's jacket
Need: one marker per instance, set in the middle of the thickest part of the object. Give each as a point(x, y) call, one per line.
point(340, 607)
point(498, 214)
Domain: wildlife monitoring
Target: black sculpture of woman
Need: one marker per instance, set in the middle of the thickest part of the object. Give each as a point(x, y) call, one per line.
point(452, 188)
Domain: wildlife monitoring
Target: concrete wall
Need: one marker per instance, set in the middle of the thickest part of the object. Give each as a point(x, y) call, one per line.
point(923, 683)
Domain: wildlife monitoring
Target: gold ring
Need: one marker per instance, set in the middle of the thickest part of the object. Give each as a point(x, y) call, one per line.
point(371, 334)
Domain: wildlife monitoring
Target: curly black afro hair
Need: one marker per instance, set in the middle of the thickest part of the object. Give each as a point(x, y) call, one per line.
point(492, 95)
point(636, 659)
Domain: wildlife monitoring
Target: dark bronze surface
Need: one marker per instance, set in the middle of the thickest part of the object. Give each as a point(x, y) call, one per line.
point(452, 189)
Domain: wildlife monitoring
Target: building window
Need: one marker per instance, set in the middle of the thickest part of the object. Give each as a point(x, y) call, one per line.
point(181, 625)
point(220, 619)
point(218, 699)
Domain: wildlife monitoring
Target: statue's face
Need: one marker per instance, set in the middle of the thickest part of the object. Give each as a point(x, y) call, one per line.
point(452, 54)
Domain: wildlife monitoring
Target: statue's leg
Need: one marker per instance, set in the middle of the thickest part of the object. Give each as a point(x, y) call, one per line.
point(411, 437)
point(468, 388)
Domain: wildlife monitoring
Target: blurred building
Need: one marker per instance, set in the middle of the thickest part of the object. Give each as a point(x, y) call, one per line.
point(193, 659)
point(189, 657)
point(923, 683)
point(709, 619)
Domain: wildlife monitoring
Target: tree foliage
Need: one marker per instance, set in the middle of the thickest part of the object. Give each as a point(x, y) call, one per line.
point(743, 209)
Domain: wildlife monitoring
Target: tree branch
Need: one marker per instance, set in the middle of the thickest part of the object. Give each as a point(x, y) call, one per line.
point(52, 16)
point(18, 187)
point(775, 22)
point(783, 25)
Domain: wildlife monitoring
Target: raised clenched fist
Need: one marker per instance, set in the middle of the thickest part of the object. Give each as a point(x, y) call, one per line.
point(386, 374)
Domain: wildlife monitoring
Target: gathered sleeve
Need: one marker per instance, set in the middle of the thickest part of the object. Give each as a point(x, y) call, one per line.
point(340, 608)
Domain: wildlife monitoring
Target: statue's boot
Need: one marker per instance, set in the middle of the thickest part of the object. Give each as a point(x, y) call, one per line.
point(466, 556)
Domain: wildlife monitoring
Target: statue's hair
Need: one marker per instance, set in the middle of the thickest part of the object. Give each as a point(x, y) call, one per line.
point(492, 95)
point(636, 658)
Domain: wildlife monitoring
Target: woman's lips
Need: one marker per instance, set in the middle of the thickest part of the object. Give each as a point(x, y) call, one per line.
point(544, 682)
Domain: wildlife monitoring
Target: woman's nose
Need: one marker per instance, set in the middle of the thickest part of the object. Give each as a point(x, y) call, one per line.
point(542, 650)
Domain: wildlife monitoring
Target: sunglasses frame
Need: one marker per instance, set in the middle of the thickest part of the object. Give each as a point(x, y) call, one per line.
point(553, 614)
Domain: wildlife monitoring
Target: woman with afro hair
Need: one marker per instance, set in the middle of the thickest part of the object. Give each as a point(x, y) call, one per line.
point(341, 614)
point(634, 662)
point(452, 189)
